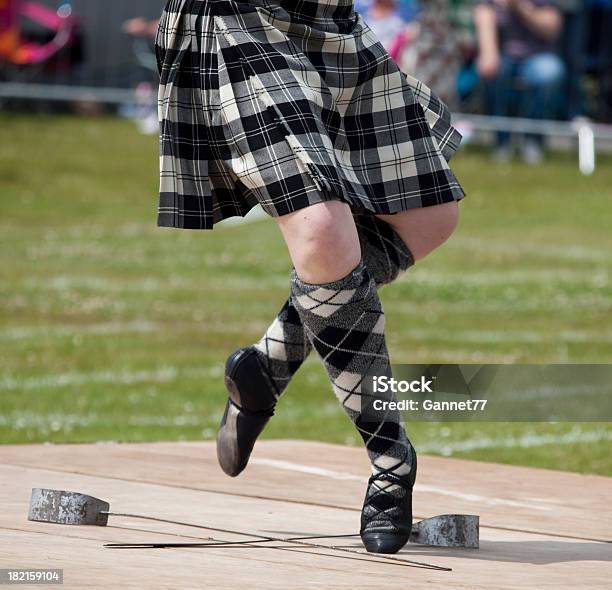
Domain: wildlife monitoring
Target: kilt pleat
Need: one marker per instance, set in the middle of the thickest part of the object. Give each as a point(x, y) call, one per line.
point(286, 104)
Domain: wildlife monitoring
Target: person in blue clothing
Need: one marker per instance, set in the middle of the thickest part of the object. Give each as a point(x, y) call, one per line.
point(519, 62)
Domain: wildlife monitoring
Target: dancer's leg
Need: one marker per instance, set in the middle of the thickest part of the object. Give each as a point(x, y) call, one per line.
point(389, 244)
point(257, 375)
point(283, 348)
point(343, 318)
point(320, 246)
point(425, 229)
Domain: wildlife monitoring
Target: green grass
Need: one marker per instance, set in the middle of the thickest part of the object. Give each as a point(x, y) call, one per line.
point(113, 328)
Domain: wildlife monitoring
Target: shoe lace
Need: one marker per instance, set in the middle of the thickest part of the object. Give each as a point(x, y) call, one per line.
point(375, 512)
point(387, 475)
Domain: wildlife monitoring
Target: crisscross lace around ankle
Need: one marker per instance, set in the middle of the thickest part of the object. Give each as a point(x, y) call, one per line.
point(388, 502)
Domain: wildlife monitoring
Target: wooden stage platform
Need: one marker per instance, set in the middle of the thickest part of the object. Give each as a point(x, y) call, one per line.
point(539, 529)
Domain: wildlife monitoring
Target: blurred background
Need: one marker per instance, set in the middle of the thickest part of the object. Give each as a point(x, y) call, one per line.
point(114, 329)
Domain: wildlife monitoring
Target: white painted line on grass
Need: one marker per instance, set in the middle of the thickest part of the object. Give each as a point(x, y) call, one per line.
point(62, 330)
point(508, 277)
point(505, 336)
point(525, 441)
point(423, 335)
point(503, 247)
point(54, 381)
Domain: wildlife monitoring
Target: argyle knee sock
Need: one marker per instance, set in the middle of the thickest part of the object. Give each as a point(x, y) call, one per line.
point(345, 322)
point(283, 348)
point(384, 253)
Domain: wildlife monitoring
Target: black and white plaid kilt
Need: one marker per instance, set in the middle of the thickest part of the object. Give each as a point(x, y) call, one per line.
point(286, 103)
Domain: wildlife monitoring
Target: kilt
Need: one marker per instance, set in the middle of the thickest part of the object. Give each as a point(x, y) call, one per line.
point(286, 103)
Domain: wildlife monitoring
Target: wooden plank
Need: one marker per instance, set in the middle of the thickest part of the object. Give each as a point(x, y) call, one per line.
point(180, 482)
point(506, 496)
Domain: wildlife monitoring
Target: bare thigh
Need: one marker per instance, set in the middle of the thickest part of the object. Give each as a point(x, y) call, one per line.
point(322, 240)
point(425, 229)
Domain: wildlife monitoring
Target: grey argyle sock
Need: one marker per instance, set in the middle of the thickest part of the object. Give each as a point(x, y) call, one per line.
point(384, 253)
point(283, 348)
point(345, 323)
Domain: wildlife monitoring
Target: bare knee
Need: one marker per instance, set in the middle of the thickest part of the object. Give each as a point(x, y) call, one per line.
point(446, 221)
point(423, 230)
point(437, 228)
point(322, 241)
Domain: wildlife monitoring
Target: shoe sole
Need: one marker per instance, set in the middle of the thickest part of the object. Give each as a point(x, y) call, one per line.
point(384, 542)
point(238, 430)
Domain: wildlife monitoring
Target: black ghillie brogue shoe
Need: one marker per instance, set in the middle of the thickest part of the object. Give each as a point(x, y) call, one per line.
point(252, 397)
point(386, 518)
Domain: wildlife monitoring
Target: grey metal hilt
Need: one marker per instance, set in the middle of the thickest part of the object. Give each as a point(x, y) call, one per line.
point(61, 507)
point(447, 530)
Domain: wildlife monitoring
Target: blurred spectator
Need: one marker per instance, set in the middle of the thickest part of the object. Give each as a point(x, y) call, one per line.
point(143, 32)
point(573, 52)
point(141, 27)
point(144, 112)
point(519, 61)
point(431, 49)
point(384, 20)
point(421, 38)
